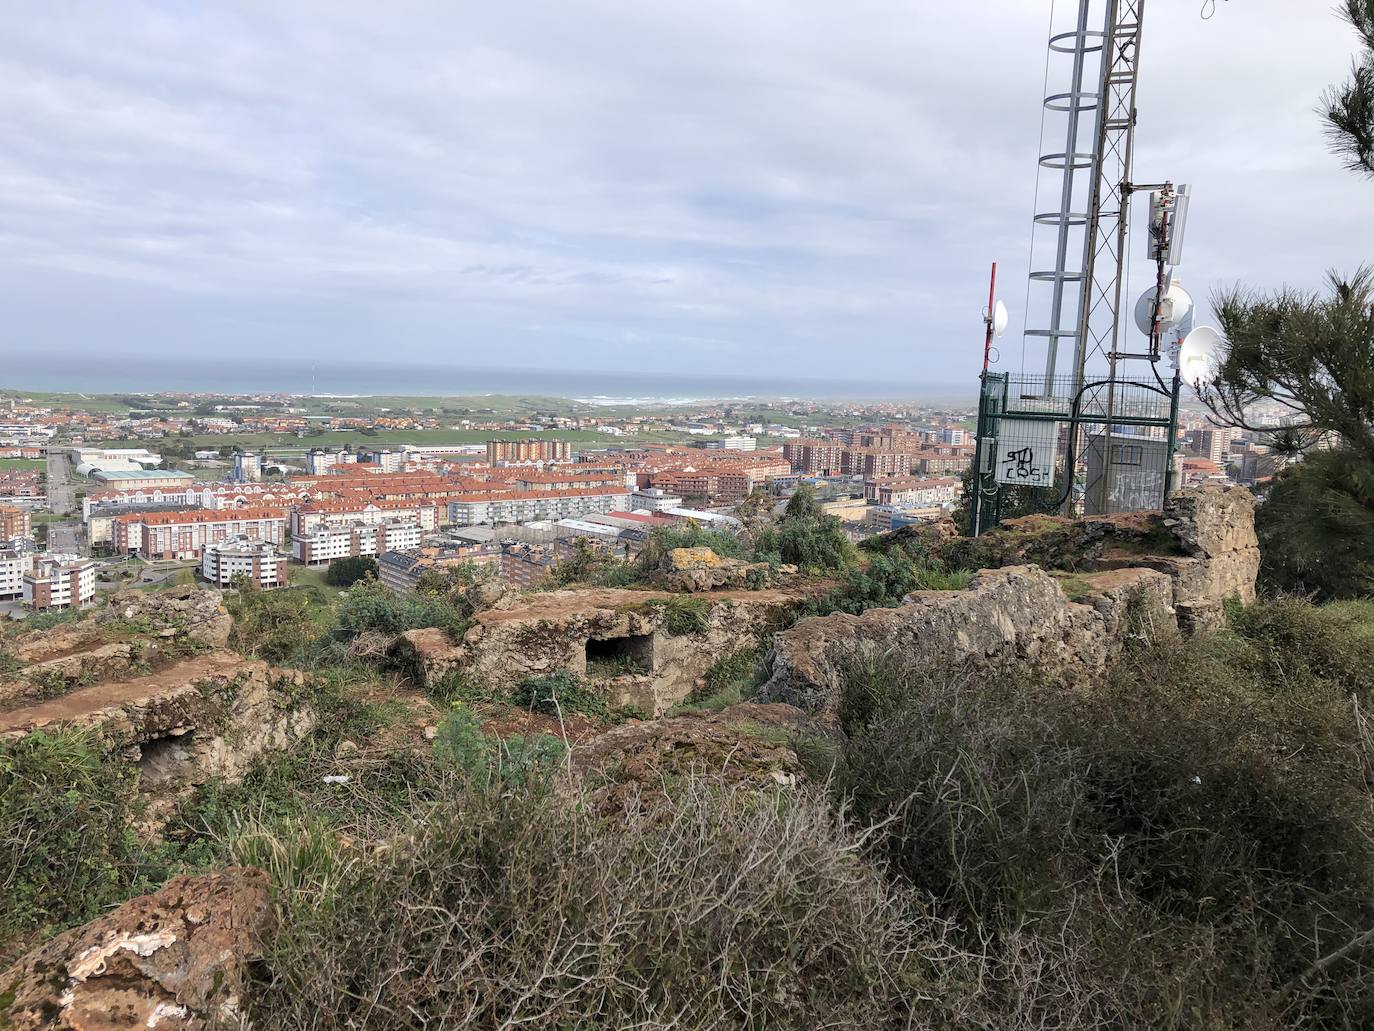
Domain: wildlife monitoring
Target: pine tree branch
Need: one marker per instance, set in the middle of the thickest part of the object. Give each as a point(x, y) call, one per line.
point(1348, 109)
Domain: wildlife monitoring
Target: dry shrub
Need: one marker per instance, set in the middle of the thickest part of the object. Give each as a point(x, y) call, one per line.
point(729, 909)
point(1180, 847)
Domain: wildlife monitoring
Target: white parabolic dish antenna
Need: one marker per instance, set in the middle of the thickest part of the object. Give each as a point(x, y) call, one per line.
point(1177, 305)
point(1000, 318)
point(1200, 354)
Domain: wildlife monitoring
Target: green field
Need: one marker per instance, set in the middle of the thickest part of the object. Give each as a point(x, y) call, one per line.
point(22, 463)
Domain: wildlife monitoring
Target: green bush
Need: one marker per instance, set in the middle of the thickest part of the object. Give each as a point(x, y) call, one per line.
point(687, 535)
point(345, 572)
point(599, 568)
point(684, 616)
point(371, 607)
point(272, 625)
point(1175, 848)
point(67, 850)
point(484, 760)
point(37, 621)
point(529, 760)
point(1301, 642)
point(806, 537)
point(461, 744)
point(1316, 526)
point(728, 681)
point(560, 694)
point(590, 564)
point(455, 686)
point(386, 783)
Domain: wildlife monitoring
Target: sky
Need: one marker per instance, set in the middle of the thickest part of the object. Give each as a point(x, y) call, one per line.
point(769, 187)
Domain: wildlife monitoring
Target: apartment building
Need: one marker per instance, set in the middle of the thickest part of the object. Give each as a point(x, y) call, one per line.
point(527, 506)
point(14, 522)
point(385, 461)
point(932, 462)
point(184, 535)
point(913, 492)
point(1211, 443)
point(654, 499)
point(59, 582)
point(885, 518)
point(224, 562)
point(114, 458)
point(319, 462)
point(247, 468)
point(528, 451)
point(723, 481)
point(328, 542)
point(13, 566)
point(567, 478)
point(876, 454)
point(307, 518)
point(733, 444)
point(814, 457)
point(401, 570)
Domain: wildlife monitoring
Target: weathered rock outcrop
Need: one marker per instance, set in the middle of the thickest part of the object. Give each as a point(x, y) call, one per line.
point(138, 631)
point(1216, 527)
point(1213, 553)
point(176, 959)
point(205, 717)
point(697, 570)
point(662, 642)
point(190, 612)
point(1156, 571)
point(1019, 615)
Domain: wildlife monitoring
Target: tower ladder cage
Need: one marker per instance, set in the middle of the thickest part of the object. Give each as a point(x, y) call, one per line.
point(1100, 436)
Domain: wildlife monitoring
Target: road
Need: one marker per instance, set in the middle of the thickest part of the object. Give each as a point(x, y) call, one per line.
point(64, 538)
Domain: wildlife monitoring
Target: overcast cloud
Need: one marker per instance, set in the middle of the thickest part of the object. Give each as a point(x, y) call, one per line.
point(745, 186)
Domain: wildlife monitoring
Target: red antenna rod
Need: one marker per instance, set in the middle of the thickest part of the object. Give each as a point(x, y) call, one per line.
point(992, 302)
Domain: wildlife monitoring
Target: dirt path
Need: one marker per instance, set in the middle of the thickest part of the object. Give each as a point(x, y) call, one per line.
point(86, 700)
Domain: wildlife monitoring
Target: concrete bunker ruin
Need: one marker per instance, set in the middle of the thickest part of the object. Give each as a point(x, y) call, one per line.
point(634, 653)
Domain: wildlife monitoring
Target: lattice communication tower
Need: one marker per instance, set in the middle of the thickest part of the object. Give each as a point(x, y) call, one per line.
point(1096, 430)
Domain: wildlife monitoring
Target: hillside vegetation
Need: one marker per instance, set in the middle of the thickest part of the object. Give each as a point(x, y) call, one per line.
point(1189, 846)
point(1185, 842)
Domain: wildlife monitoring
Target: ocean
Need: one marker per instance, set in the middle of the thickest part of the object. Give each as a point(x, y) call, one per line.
point(115, 374)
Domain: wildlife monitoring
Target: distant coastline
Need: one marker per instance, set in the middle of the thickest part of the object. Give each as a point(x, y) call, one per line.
point(104, 374)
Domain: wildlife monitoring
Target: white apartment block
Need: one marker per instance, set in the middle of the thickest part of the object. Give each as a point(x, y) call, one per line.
point(654, 499)
point(13, 566)
point(388, 461)
point(326, 543)
point(59, 582)
point(317, 463)
point(224, 561)
point(308, 518)
point(734, 444)
point(528, 506)
point(247, 468)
